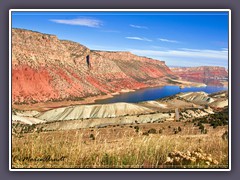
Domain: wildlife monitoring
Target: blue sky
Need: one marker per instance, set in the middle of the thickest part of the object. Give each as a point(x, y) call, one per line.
point(178, 38)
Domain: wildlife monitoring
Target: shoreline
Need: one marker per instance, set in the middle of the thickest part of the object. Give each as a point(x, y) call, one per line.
point(44, 106)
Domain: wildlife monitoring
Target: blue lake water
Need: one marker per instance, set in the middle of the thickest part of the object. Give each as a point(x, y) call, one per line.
point(157, 93)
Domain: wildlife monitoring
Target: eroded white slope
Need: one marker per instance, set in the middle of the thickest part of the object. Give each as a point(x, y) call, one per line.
point(197, 97)
point(93, 111)
point(26, 120)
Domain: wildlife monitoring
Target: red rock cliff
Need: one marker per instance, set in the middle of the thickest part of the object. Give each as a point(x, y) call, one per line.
point(45, 68)
point(210, 75)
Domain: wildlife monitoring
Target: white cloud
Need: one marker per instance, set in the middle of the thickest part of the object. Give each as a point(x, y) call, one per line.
point(137, 26)
point(168, 40)
point(187, 57)
point(139, 38)
point(184, 52)
point(225, 49)
point(89, 22)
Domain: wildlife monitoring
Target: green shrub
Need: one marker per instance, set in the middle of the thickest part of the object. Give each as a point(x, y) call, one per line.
point(219, 118)
point(179, 128)
point(136, 127)
point(92, 137)
point(152, 131)
point(145, 133)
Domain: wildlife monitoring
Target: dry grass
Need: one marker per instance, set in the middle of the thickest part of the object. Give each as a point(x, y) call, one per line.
point(111, 149)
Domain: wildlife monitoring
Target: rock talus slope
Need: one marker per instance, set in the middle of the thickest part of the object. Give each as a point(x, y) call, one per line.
point(45, 68)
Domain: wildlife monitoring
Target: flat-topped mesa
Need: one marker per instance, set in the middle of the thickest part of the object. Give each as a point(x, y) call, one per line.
point(201, 68)
point(125, 55)
point(45, 68)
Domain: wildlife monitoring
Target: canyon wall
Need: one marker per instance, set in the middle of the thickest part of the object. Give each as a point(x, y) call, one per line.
point(45, 68)
point(209, 75)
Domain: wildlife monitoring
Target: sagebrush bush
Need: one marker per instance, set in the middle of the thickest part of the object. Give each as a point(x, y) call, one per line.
point(190, 159)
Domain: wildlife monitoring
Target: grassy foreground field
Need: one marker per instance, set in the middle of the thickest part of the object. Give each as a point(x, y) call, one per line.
point(153, 145)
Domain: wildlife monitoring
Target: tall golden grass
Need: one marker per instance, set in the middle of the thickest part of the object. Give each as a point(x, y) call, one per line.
point(76, 149)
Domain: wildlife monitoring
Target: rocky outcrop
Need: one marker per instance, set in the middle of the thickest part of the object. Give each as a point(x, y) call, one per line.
point(45, 68)
point(209, 75)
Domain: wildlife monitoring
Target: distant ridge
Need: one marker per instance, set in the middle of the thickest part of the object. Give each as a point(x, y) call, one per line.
point(209, 75)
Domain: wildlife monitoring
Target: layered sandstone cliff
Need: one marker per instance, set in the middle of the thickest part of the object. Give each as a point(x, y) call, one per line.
point(209, 75)
point(45, 68)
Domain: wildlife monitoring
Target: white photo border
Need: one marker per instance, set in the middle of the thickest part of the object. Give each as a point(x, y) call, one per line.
point(117, 10)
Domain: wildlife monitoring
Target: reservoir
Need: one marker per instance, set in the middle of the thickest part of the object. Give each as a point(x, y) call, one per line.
point(148, 94)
